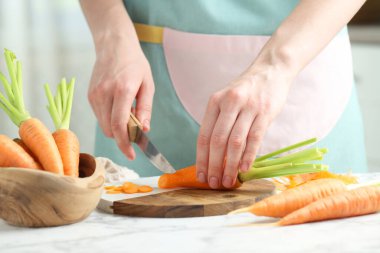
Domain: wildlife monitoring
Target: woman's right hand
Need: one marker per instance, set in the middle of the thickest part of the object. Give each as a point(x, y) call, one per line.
point(121, 75)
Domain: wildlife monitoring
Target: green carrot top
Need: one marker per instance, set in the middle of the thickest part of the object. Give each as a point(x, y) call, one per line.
point(60, 106)
point(13, 105)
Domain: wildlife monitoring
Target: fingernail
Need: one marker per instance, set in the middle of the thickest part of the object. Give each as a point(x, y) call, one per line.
point(213, 182)
point(146, 125)
point(201, 177)
point(244, 167)
point(227, 181)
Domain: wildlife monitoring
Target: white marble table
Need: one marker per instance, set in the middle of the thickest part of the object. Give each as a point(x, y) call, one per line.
point(103, 232)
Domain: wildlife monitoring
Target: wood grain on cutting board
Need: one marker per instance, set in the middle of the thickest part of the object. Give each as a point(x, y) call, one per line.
point(191, 202)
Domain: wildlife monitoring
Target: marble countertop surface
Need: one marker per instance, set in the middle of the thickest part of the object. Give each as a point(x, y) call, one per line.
point(102, 232)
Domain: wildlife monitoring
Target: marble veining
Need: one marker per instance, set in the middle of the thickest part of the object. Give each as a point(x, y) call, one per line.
point(103, 232)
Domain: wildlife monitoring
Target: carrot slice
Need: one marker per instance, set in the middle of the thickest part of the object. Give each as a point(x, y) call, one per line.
point(128, 184)
point(145, 188)
point(130, 188)
point(113, 192)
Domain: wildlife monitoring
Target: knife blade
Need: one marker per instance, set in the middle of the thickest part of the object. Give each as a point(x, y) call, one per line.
point(137, 136)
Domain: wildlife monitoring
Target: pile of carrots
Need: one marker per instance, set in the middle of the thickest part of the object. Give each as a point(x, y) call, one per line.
point(37, 147)
point(128, 188)
point(316, 200)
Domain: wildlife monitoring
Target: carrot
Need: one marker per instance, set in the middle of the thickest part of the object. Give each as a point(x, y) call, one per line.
point(185, 177)
point(40, 141)
point(145, 188)
point(360, 201)
point(68, 146)
point(22, 144)
point(32, 132)
point(264, 167)
point(290, 200)
point(128, 184)
point(130, 188)
point(66, 141)
point(13, 155)
point(113, 192)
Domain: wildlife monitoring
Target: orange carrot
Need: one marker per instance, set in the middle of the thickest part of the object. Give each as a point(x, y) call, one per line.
point(40, 141)
point(32, 132)
point(128, 184)
point(145, 188)
point(185, 177)
point(264, 167)
point(13, 155)
point(68, 147)
point(66, 141)
point(130, 188)
point(113, 192)
point(360, 201)
point(22, 144)
point(290, 200)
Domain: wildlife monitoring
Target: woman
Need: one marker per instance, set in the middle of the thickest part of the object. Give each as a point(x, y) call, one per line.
point(231, 78)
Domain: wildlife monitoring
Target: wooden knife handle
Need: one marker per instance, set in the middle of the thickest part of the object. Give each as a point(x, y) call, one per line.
point(133, 126)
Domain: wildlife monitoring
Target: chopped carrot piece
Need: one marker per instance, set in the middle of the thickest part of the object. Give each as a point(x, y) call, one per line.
point(113, 192)
point(130, 188)
point(145, 188)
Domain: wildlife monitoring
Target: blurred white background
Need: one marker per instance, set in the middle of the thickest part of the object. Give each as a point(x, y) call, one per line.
point(52, 40)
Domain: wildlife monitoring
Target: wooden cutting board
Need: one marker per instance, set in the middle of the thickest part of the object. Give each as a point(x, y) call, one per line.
point(186, 202)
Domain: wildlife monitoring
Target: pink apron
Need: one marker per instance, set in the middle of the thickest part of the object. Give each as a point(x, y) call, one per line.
point(201, 64)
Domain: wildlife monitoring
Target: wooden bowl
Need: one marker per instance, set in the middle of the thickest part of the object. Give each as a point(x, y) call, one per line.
point(34, 198)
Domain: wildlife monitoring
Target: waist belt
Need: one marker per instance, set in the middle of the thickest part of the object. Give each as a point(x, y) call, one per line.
point(149, 33)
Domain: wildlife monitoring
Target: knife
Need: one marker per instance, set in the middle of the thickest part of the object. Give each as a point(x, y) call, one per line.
point(137, 136)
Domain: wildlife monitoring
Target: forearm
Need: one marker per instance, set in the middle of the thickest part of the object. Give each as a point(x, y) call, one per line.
point(108, 20)
point(305, 33)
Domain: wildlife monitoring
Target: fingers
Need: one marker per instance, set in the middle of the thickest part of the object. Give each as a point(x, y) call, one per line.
point(254, 138)
point(144, 101)
point(122, 103)
point(105, 115)
point(101, 98)
point(235, 148)
point(203, 142)
point(218, 145)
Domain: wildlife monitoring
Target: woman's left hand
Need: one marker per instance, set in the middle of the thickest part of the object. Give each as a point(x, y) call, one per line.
point(235, 122)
